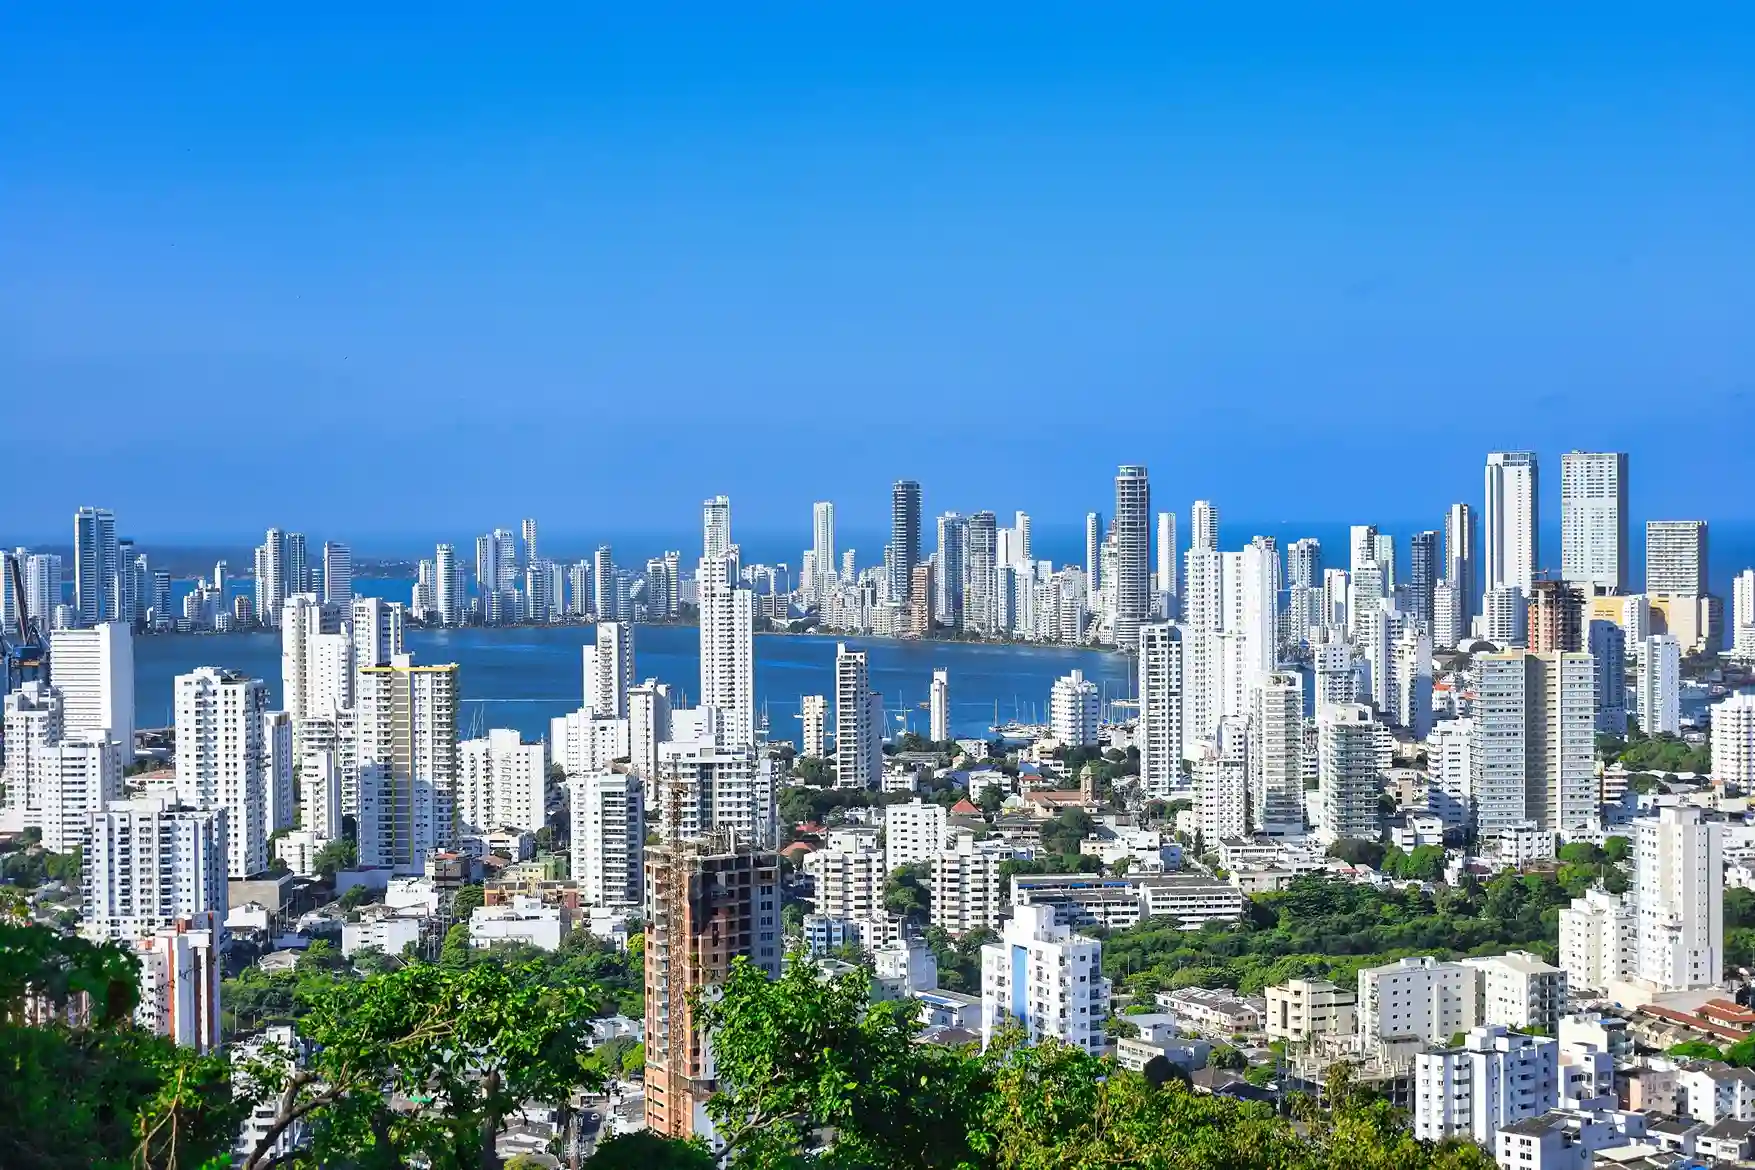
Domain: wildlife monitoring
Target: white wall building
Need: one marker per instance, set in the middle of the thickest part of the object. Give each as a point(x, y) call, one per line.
point(914, 833)
point(222, 760)
point(407, 762)
point(1599, 940)
point(1045, 979)
point(94, 671)
point(502, 782)
point(727, 648)
point(75, 778)
point(1534, 740)
point(1519, 990)
point(1593, 518)
point(1679, 895)
point(608, 838)
point(1658, 687)
point(715, 785)
point(1221, 783)
point(1073, 710)
point(940, 703)
point(813, 715)
point(1350, 747)
point(848, 874)
point(966, 890)
point(1495, 1078)
point(150, 862)
point(1421, 999)
point(859, 729)
point(33, 723)
point(1276, 755)
point(522, 920)
point(1161, 714)
point(179, 982)
point(1512, 520)
point(1733, 743)
point(609, 670)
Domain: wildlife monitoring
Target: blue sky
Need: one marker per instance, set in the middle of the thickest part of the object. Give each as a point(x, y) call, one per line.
point(423, 270)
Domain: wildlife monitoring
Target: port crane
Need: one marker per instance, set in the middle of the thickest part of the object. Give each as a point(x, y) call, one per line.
point(24, 641)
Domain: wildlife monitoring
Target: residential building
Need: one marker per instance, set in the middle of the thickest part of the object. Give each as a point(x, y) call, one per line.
point(1161, 713)
point(813, 717)
point(608, 838)
point(1512, 520)
point(727, 651)
point(1073, 710)
point(148, 863)
point(914, 833)
point(337, 574)
point(222, 760)
point(96, 567)
point(904, 538)
point(1132, 592)
point(502, 782)
point(33, 724)
point(859, 723)
point(1534, 742)
point(1301, 1009)
point(940, 707)
point(715, 787)
point(1733, 743)
point(1678, 894)
point(609, 670)
point(1599, 940)
point(1423, 999)
point(1658, 685)
point(1494, 1078)
point(179, 981)
point(1221, 782)
point(1556, 617)
point(524, 919)
point(1593, 519)
point(408, 762)
point(1608, 654)
point(848, 874)
point(1460, 570)
point(93, 669)
point(1046, 980)
point(1519, 990)
point(1276, 749)
point(966, 889)
point(1675, 557)
point(73, 778)
point(708, 902)
point(1350, 746)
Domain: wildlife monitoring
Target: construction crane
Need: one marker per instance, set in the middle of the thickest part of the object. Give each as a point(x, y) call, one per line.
point(25, 640)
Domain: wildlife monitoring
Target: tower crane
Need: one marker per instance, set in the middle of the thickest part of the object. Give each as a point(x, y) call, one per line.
point(24, 642)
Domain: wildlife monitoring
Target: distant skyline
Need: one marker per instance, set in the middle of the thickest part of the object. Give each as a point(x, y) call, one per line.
point(353, 271)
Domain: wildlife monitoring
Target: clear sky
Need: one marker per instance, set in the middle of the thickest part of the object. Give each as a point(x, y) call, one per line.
point(364, 268)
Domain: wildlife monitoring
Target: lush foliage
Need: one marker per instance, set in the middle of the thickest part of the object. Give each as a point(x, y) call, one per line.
point(104, 1093)
point(1658, 753)
point(813, 1074)
point(1324, 929)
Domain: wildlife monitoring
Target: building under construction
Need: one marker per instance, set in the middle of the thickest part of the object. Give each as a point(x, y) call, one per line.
point(708, 901)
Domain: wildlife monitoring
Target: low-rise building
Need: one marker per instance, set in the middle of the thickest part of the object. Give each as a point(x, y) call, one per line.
point(1300, 1009)
point(389, 930)
point(1421, 999)
point(1217, 1012)
point(1520, 991)
point(524, 920)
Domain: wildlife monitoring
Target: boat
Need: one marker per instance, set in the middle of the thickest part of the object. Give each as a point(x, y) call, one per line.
point(1019, 732)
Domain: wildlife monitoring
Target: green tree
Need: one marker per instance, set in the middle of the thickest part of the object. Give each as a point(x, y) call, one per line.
point(455, 952)
point(470, 1044)
point(337, 855)
point(1355, 851)
point(466, 900)
point(634, 1061)
point(645, 1150)
point(1695, 1050)
point(1226, 1057)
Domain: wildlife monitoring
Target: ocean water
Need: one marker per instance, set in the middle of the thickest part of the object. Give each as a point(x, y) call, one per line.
point(521, 677)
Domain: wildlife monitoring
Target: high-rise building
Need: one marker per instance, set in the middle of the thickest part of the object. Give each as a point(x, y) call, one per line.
point(708, 903)
point(904, 537)
point(609, 670)
point(813, 719)
point(1161, 714)
point(913, 833)
point(1093, 547)
point(303, 619)
point(847, 874)
point(407, 761)
point(502, 782)
point(1679, 896)
point(222, 760)
point(707, 786)
point(129, 601)
point(298, 565)
point(1350, 746)
point(980, 610)
point(940, 707)
point(716, 528)
point(1534, 736)
point(967, 891)
point(1203, 526)
point(1133, 544)
point(1257, 598)
point(279, 799)
point(179, 982)
point(1495, 1079)
point(377, 627)
point(33, 725)
point(948, 583)
point(1599, 940)
point(1675, 557)
point(1593, 518)
point(1459, 560)
point(603, 584)
point(95, 566)
point(150, 862)
point(72, 779)
point(1733, 743)
point(1423, 574)
point(727, 650)
point(823, 538)
point(337, 574)
point(528, 532)
point(94, 672)
point(1304, 563)
point(1513, 514)
point(1608, 653)
point(608, 838)
point(1556, 616)
point(1658, 685)
point(271, 576)
point(649, 724)
point(1221, 782)
point(859, 758)
point(1046, 980)
point(1073, 715)
point(1276, 750)
point(447, 585)
point(1165, 582)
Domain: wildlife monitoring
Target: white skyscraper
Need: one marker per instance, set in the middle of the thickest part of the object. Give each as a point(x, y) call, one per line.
point(847, 875)
point(279, 796)
point(727, 650)
point(608, 838)
point(1203, 526)
point(1221, 783)
point(1593, 518)
point(94, 671)
point(813, 729)
point(1675, 557)
point(448, 585)
point(1496, 1078)
point(222, 761)
point(716, 528)
point(75, 778)
point(1044, 979)
point(1073, 714)
point(377, 631)
point(1534, 730)
point(502, 782)
point(859, 757)
point(1259, 596)
point(1276, 777)
point(1350, 746)
point(609, 670)
point(270, 570)
point(1733, 743)
point(1512, 515)
point(95, 582)
point(1599, 940)
point(715, 786)
point(940, 705)
point(1658, 688)
point(823, 540)
point(1460, 567)
point(407, 761)
point(1133, 546)
point(1093, 549)
point(1678, 892)
point(337, 574)
point(648, 726)
point(150, 862)
point(1161, 714)
point(1166, 581)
